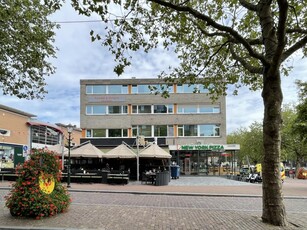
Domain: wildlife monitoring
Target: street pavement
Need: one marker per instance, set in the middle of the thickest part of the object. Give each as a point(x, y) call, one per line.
point(186, 203)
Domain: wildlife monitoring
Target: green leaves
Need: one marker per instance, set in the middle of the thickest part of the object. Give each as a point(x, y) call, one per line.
point(26, 37)
point(27, 198)
point(221, 41)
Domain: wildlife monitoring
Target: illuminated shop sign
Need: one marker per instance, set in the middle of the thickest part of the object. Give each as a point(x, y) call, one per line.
point(202, 147)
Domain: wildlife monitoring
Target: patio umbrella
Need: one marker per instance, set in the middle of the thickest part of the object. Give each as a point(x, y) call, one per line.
point(58, 149)
point(85, 150)
point(154, 151)
point(121, 152)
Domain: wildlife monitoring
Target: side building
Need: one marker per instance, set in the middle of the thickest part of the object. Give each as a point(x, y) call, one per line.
point(20, 132)
point(188, 125)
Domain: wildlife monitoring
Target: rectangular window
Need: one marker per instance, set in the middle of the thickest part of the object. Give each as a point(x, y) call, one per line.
point(99, 89)
point(95, 109)
point(141, 109)
point(191, 88)
point(160, 130)
point(115, 133)
point(115, 109)
point(163, 88)
point(163, 108)
point(209, 130)
point(89, 89)
point(209, 109)
point(96, 89)
point(160, 109)
point(216, 110)
point(144, 130)
point(134, 89)
point(125, 132)
point(99, 109)
point(88, 133)
point(190, 130)
point(142, 89)
point(186, 88)
point(170, 109)
point(99, 133)
point(180, 130)
point(125, 109)
point(134, 109)
point(144, 109)
point(187, 109)
point(114, 89)
point(124, 89)
point(187, 130)
point(44, 135)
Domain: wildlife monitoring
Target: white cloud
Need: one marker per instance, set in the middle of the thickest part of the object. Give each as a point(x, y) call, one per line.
point(79, 58)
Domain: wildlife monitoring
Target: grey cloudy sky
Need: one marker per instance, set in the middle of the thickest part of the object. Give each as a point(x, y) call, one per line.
point(79, 58)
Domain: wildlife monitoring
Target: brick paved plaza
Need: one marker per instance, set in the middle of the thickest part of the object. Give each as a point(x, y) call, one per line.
point(186, 203)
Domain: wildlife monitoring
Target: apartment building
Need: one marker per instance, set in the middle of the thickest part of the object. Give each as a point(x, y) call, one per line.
point(187, 123)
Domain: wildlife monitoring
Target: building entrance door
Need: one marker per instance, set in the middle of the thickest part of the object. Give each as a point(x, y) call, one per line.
point(187, 166)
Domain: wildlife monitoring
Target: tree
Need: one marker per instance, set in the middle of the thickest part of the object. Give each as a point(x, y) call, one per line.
point(218, 43)
point(300, 126)
point(26, 37)
point(293, 145)
point(251, 144)
point(288, 140)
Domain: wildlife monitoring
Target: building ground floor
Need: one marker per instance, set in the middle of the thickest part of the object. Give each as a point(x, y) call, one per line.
point(193, 159)
point(11, 155)
point(205, 163)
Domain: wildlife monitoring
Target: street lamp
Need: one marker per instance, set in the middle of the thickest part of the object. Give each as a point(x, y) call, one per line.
point(70, 128)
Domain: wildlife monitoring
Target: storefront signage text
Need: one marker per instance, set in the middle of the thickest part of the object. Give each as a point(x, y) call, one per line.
point(202, 147)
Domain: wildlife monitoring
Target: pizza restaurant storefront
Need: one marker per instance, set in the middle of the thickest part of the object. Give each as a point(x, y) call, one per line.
point(205, 159)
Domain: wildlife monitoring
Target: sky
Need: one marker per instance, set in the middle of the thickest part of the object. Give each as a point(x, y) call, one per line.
point(79, 58)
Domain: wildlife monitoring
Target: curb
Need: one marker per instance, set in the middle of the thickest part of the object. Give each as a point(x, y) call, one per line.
point(174, 193)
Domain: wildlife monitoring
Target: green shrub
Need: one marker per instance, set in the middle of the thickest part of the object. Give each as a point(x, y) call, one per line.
point(38, 191)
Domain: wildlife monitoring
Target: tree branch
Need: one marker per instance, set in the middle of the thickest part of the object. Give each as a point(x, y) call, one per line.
point(211, 22)
point(296, 30)
point(300, 44)
point(248, 5)
point(250, 68)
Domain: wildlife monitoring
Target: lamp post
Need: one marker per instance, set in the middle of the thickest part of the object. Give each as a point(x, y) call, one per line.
point(69, 130)
point(137, 156)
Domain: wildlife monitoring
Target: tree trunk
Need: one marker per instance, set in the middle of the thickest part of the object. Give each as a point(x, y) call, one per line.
point(273, 207)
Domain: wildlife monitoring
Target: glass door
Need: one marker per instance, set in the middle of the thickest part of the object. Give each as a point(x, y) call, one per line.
point(187, 166)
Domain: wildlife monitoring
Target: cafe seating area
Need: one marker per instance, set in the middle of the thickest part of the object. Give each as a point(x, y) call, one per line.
point(157, 178)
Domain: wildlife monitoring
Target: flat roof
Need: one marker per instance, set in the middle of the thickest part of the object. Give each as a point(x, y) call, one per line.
point(10, 109)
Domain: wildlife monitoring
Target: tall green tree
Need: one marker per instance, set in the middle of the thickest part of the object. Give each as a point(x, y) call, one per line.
point(251, 143)
point(222, 42)
point(293, 146)
point(26, 46)
point(288, 140)
point(300, 126)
